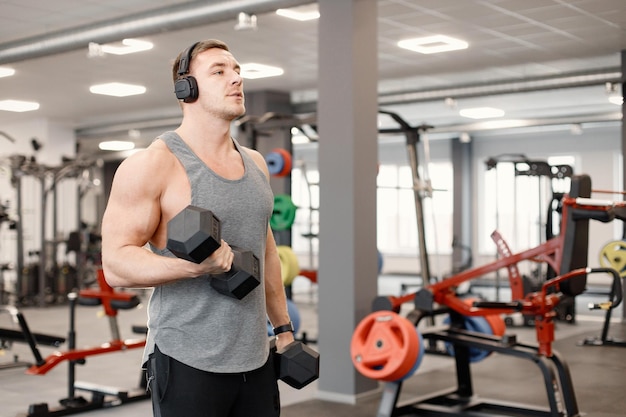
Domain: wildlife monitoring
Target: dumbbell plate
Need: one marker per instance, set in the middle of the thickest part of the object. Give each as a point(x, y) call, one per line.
point(298, 365)
point(193, 234)
point(241, 279)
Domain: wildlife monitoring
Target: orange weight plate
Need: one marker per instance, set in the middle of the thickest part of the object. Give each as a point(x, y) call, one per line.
point(384, 346)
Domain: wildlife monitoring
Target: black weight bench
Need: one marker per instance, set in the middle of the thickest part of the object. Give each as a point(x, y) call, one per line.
point(10, 335)
point(24, 335)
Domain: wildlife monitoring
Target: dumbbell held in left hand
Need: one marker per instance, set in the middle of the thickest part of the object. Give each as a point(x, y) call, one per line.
point(242, 278)
point(194, 234)
point(296, 364)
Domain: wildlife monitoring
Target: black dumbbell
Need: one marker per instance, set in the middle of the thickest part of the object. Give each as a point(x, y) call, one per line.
point(194, 234)
point(296, 364)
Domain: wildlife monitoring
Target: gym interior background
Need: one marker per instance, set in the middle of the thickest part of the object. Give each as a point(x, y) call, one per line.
point(555, 70)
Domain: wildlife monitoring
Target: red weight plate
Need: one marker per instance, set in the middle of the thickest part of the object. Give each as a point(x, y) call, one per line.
point(384, 346)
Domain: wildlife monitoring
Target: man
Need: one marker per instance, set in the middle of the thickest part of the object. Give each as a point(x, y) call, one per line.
point(206, 354)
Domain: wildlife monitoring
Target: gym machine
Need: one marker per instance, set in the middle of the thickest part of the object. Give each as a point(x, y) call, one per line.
point(553, 180)
point(381, 351)
point(422, 188)
point(45, 281)
point(4, 292)
point(612, 255)
point(20, 331)
point(112, 301)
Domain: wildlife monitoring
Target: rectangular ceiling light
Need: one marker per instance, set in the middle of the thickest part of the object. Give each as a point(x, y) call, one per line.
point(6, 72)
point(116, 145)
point(300, 14)
point(481, 113)
point(433, 44)
point(117, 89)
point(253, 70)
point(127, 46)
point(18, 106)
point(619, 100)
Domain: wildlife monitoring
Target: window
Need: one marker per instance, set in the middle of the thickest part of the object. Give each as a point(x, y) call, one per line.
point(396, 210)
point(305, 195)
point(396, 214)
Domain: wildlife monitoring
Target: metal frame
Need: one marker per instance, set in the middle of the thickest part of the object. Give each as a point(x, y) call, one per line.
point(101, 396)
point(462, 400)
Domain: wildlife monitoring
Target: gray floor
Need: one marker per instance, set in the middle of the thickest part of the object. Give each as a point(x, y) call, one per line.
point(601, 398)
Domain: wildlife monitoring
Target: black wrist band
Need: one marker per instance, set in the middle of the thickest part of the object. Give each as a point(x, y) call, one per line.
point(284, 328)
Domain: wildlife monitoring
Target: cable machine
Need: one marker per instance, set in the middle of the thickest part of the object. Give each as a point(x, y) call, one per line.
point(550, 179)
point(39, 283)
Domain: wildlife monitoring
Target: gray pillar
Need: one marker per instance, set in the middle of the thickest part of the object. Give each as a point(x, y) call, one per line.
point(348, 155)
point(623, 55)
point(463, 201)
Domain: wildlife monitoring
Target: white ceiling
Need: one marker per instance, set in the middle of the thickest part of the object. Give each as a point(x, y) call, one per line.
point(511, 42)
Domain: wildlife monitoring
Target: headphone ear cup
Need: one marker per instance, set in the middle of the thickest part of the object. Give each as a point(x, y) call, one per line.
point(186, 89)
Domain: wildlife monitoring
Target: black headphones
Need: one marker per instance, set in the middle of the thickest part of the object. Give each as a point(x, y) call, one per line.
point(186, 86)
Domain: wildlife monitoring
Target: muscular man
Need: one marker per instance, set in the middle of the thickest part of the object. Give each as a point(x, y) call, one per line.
point(206, 354)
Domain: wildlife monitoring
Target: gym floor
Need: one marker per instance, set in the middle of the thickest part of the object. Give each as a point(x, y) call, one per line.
point(598, 372)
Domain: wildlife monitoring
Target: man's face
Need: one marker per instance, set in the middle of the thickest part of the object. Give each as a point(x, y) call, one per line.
point(219, 83)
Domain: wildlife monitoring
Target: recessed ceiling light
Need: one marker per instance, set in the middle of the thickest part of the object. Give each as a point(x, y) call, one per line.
point(117, 89)
point(299, 14)
point(127, 46)
point(246, 21)
point(481, 112)
point(18, 106)
point(433, 44)
point(116, 145)
point(619, 100)
point(6, 72)
point(253, 70)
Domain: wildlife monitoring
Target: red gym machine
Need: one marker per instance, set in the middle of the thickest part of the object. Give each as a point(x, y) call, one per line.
point(565, 253)
point(389, 347)
point(111, 301)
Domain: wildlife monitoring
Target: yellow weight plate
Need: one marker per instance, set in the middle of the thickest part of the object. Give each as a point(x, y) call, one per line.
point(613, 255)
point(288, 264)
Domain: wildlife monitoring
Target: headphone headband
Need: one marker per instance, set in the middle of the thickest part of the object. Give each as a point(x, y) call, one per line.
point(185, 60)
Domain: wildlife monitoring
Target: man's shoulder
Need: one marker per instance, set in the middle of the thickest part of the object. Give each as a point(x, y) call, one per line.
point(153, 160)
point(253, 153)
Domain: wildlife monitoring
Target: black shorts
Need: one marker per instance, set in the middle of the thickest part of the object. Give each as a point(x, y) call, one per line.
point(179, 390)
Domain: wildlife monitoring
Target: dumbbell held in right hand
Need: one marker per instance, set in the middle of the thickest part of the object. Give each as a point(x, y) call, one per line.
point(194, 234)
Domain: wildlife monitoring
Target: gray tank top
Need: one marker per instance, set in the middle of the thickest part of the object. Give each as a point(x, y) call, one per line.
point(188, 319)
